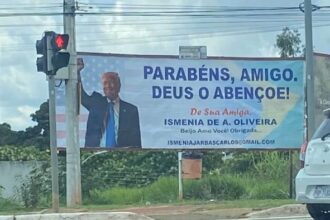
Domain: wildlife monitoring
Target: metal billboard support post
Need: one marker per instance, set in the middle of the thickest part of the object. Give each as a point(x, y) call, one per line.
point(188, 52)
point(180, 175)
point(290, 175)
point(53, 144)
point(73, 175)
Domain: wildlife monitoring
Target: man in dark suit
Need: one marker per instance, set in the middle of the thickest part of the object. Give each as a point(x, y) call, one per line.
point(111, 121)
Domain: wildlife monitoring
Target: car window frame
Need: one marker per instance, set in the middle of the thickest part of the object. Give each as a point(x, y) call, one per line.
point(323, 129)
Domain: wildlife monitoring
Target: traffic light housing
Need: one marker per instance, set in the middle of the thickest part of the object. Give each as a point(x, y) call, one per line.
point(41, 47)
point(59, 58)
point(50, 47)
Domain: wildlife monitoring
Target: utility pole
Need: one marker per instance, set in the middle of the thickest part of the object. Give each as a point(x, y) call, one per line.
point(309, 69)
point(73, 174)
point(53, 144)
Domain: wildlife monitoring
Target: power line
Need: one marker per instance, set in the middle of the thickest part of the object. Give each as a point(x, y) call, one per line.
point(161, 12)
point(166, 38)
point(189, 26)
point(29, 7)
point(172, 37)
point(167, 8)
point(172, 21)
point(192, 7)
point(243, 19)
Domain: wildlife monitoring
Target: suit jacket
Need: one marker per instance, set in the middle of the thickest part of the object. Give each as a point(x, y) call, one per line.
point(128, 128)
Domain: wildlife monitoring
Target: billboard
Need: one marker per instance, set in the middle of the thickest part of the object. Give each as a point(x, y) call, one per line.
point(168, 103)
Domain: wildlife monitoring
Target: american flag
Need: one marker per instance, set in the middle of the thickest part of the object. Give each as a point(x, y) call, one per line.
point(95, 65)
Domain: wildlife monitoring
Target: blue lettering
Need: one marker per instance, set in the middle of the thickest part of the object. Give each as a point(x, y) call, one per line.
point(167, 92)
point(156, 92)
point(287, 74)
point(203, 73)
point(188, 93)
point(192, 74)
point(169, 73)
point(181, 74)
point(218, 93)
point(275, 74)
point(265, 74)
point(147, 70)
point(203, 93)
point(245, 75)
point(257, 74)
point(225, 75)
point(158, 73)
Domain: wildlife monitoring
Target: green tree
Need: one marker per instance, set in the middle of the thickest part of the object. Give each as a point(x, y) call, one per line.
point(7, 136)
point(37, 135)
point(289, 43)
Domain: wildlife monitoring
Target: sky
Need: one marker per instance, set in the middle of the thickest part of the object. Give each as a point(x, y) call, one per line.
point(235, 28)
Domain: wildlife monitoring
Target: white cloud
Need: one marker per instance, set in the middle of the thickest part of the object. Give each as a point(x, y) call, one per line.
point(19, 117)
point(23, 89)
point(26, 110)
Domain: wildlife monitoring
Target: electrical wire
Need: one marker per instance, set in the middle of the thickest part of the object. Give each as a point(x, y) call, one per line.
point(167, 10)
point(100, 43)
point(272, 19)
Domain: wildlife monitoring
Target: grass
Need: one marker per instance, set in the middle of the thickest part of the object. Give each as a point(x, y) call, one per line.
point(117, 195)
point(254, 204)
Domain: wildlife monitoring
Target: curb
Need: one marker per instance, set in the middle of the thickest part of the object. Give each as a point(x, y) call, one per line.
point(79, 216)
point(294, 209)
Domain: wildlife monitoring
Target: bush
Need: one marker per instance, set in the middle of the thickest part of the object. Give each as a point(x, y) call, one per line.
point(272, 190)
point(7, 204)
point(35, 189)
point(214, 187)
point(165, 189)
point(125, 169)
point(196, 189)
point(117, 195)
point(272, 165)
point(11, 153)
point(239, 164)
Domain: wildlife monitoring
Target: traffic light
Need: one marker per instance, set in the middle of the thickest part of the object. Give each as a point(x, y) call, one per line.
point(41, 47)
point(50, 47)
point(59, 58)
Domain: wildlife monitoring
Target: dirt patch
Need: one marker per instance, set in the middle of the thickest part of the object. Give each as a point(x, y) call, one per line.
point(163, 210)
point(285, 210)
point(191, 212)
point(201, 212)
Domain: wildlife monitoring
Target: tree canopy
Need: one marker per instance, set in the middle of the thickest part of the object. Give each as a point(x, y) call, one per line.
point(289, 43)
point(37, 135)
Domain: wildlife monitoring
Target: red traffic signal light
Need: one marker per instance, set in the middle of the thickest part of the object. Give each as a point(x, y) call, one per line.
point(59, 58)
point(60, 41)
point(50, 47)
